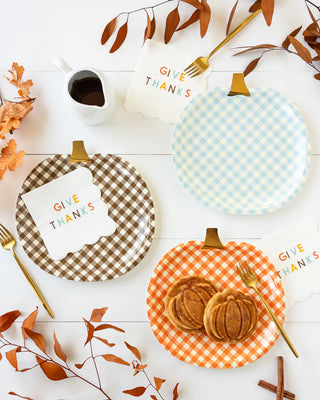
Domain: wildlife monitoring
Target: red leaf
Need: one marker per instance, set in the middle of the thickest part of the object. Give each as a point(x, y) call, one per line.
point(21, 397)
point(205, 15)
point(317, 76)
point(267, 7)
point(51, 370)
point(172, 22)
point(137, 391)
point(175, 392)
point(29, 322)
point(286, 42)
point(231, 17)
point(255, 6)
point(97, 314)
point(115, 359)
point(158, 382)
point(6, 320)
point(12, 357)
point(104, 341)
point(90, 331)
point(134, 351)
point(58, 349)
point(108, 30)
point(194, 18)
point(193, 3)
point(120, 38)
point(251, 66)
point(107, 326)
point(302, 51)
point(38, 339)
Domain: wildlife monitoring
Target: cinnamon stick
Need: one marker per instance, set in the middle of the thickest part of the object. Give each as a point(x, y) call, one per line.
point(273, 388)
point(280, 386)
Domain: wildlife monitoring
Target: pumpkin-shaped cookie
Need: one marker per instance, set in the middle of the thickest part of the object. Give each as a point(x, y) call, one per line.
point(230, 316)
point(186, 300)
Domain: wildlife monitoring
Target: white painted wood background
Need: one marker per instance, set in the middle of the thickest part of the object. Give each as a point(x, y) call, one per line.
point(33, 33)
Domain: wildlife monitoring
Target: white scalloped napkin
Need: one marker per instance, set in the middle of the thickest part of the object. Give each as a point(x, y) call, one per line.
point(295, 252)
point(159, 87)
point(69, 213)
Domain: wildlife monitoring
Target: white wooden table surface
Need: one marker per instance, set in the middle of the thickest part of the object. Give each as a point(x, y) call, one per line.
point(33, 33)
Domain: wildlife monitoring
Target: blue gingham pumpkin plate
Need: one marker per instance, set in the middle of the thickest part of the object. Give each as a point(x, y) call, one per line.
point(242, 155)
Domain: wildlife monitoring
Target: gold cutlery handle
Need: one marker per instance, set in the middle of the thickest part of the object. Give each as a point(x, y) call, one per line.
point(34, 286)
point(234, 32)
point(275, 320)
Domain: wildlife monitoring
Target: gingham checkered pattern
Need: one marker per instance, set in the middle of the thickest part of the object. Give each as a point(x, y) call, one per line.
point(242, 155)
point(130, 206)
point(219, 266)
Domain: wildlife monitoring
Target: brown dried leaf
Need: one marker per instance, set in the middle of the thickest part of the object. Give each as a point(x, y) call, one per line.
point(97, 314)
point(139, 368)
point(194, 3)
point(153, 397)
point(194, 18)
point(137, 391)
point(58, 349)
point(52, 370)
point(231, 17)
point(205, 15)
point(18, 395)
point(317, 76)
point(259, 46)
point(172, 23)
point(255, 6)
point(120, 38)
point(37, 338)
point(0, 356)
point(108, 30)
point(107, 326)
point(175, 392)
point(158, 382)
point(105, 341)
point(251, 66)
point(11, 115)
point(286, 42)
point(16, 80)
point(90, 328)
point(134, 351)
point(267, 7)
point(79, 366)
point(147, 31)
point(115, 359)
point(12, 357)
point(29, 322)
point(10, 160)
point(6, 320)
point(302, 51)
point(311, 15)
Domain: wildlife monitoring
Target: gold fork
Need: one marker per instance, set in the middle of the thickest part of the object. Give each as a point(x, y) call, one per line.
point(250, 279)
point(202, 63)
point(8, 242)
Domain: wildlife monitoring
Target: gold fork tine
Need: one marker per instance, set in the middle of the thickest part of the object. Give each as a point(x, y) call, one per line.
point(190, 67)
point(239, 272)
point(243, 270)
point(6, 231)
point(196, 73)
point(2, 234)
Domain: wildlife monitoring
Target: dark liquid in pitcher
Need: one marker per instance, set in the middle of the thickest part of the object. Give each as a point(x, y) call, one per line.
point(88, 91)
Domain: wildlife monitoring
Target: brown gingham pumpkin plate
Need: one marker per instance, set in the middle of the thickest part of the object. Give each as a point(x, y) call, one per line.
point(130, 205)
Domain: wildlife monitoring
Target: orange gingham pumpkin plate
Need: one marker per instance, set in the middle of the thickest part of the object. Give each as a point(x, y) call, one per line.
point(219, 266)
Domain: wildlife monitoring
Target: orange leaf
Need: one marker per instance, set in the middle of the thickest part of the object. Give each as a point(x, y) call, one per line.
point(107, 326)
point(267, 7)
point(97, 314)
point(108, 31)
point(317, 76)
point(0, 356)
point(231, 17)
point(52, 370)
point(11, 115)
point(194, 18)
point(6, 320)
point(139, 368)
point(38, 339)
point(79, 366)
point(115, 359)
point(255, 6)
point(12, 357)
point(302, 51)
point(251, 66)
point(16, 80)
point(10, 160)
point(286, 42)
point(194, 3)
point(172, 22)
point(137, 391)
point(148, 28)
point(153, 397)
point(18, 395)
point(259, 46)
point(134, 351)
point(205, 15)
point(158, 382)
point(90, 331)
point(120, 38)
point(105, 341)
point(29, 322)
point(175, 392)
point(58, 349)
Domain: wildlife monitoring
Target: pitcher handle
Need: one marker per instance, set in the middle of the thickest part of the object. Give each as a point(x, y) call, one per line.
point(61, 65)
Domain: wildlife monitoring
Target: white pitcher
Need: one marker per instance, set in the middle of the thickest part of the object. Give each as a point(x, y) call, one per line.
point(87, 113)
